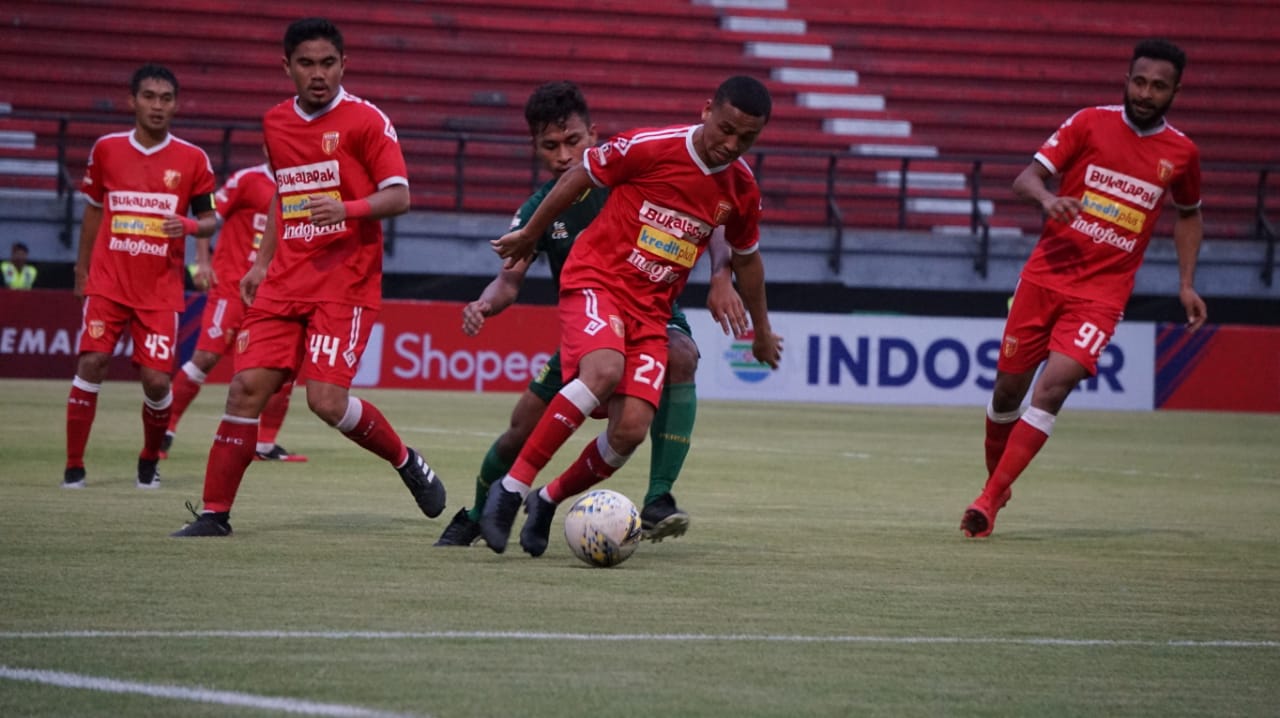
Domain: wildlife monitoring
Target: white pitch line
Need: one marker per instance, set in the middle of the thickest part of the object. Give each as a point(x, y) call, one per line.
point(653, 637)
point(195, 695)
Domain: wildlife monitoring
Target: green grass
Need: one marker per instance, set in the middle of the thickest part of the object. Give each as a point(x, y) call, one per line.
point(823, 575)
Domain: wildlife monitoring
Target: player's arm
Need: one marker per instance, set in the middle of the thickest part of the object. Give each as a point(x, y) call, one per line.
point(89, 224)
point(749, 269)
point(1188, 232)
point(386, 202)
point(1031, 186)
point(522, 243)
point(723, 300)
point(266, 251)
point(500, 294)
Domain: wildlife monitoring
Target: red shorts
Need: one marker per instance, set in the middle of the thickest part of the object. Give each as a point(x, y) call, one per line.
point(591, 320)
point(1042, 320)
point(154, 332)
point(313, 341)
point(219, 323)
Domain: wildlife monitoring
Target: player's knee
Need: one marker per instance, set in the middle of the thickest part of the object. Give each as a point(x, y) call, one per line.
point(328, 407)
point(682, 358)
point(92, 366)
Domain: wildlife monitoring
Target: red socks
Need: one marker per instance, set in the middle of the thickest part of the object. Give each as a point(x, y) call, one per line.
point(82, 405)
point(590, 469)
point(184, 392)
point(232, 452)
point(558, 423)
point(155, 420)
point(1025, 441)
point(997, 438)
point(366, 426)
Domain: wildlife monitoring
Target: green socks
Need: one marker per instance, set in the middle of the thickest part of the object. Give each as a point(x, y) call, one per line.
point(492, 469)
point(671, 433)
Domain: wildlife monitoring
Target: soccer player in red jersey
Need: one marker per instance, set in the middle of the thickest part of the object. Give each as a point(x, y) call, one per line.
point(139, 187)
point(1115, 165)
point(669, 189)
point(242, 206)
point(316, 286)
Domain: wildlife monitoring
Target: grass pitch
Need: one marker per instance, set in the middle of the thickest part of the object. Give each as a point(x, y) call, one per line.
point(1135, 572)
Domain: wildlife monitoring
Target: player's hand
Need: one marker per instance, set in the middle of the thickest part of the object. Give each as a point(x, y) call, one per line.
point(514, 247)
point(1062, 209)
point(250, 282)
point(204, 278)
point(1197, 312)
point(766, 347)
point(727, 309)
point(326, 210)
point(473, 316)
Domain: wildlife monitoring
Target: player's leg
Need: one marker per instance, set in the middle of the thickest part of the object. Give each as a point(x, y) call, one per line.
point(219, 323)
point(631, 410)
point(464, 529)
point(671, 434)
point(269, 428)
point(336, 338)
point(595, 359)
point(102, 322)
point(262, 365)
point(1003, 412)
point(155, 343)
point(629, 420)
point(187, 383)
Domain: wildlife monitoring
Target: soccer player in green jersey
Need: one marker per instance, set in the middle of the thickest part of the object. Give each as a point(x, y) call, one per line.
point(561, 130)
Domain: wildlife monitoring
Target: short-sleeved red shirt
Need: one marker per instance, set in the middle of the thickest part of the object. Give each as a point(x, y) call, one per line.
point(663, 204)
point(348, 150)
point(1121, 175)
point(242, 205)
point(134, 262)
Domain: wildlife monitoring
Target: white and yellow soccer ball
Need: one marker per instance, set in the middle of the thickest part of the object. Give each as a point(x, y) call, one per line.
point(602, 528)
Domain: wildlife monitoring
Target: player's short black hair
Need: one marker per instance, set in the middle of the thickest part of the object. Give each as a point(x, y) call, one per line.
point(311, 28)
point(553, 103)
point(1157, 48)
point(21, 246)
point(152, 71)
point(747, 94)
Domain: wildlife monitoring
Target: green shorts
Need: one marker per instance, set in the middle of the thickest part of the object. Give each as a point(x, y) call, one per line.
point(549, 382)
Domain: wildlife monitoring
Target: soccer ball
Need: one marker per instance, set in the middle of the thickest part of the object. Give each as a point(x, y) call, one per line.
point(602, 528)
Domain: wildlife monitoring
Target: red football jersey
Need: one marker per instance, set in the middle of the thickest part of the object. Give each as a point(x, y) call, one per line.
point(663, 205)
point(347, 150)
point(1120, 174)
point(242, 206)
point(133, 262)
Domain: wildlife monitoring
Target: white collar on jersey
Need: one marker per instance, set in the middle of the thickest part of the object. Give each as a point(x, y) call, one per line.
point(693, 153)
point(337, 97)
point(1154, 130)
point(133, 140)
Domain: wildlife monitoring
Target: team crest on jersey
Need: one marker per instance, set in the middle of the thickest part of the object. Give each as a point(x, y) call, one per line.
point(1010, 346)
point(172, 178)
point(242, 341)
point(723, 211)
point(329, 142)
point(1165, 170)
point(615, 323)
point(97, 328)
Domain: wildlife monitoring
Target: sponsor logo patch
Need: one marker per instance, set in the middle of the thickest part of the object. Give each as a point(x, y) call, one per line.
point(306, 178)
point(1122, 186)
point(1102, 234)
point(667, 247)
point(1113, 211)
point(134, 247)
point(134, 226)
point(678, 224)
point(143, 202)
point(298, 206)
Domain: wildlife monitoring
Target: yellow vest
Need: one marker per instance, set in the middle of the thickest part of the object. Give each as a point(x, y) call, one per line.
point(15, 278)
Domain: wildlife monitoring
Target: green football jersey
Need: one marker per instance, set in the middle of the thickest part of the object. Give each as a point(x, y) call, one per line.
point(556, 242)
